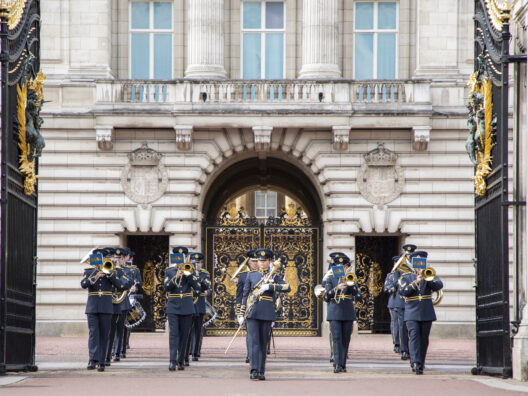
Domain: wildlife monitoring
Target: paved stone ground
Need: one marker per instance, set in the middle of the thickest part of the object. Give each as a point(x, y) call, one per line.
point(298, 366)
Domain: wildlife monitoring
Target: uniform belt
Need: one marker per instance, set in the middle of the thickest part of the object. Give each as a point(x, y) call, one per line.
point(266, 298)
point(202, 294)
point(100, 293)
point(419, 298)
point(345, 296)
point(180, 295)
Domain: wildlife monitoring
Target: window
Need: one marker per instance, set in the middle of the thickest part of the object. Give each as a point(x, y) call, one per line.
point(263, 39)
point(151, 40)
point(375, 31)
point(265, 204)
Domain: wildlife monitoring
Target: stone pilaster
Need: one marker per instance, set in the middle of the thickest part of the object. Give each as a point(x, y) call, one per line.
point(320, 39)
point(206, 40)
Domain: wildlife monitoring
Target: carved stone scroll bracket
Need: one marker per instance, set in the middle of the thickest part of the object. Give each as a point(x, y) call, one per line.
point(183, 137)
point(262, 135)
point(341, 137)
point(420, 137)
point(104, 136)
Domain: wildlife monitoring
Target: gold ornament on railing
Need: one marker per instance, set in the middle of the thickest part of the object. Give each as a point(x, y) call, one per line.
point(233, 216)
point(12, 10)
point(291, 216)
point(481, 124)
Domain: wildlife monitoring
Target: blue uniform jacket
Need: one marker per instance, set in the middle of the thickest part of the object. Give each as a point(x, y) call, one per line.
point(391, 286)
point(264, 308)
point(126, 274)
point(100, 291)
point(180, 298)
point(240, 290)
point(345, 309)
point(418, 299)
point(205, 285)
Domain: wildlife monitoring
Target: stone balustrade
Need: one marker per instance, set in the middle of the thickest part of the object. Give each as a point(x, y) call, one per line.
point(263, 92)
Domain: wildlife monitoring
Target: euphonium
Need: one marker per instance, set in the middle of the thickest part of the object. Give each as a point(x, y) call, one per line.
point(439, 294)
point(428, 274)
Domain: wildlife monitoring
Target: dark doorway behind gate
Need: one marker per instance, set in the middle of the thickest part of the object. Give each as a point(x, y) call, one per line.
point(152, 258)
point(373, 263)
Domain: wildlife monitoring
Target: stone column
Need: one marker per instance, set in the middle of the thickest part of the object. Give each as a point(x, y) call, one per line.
point(320, 39)
point(205, 47)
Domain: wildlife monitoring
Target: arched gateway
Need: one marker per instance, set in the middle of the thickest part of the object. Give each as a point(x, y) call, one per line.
point(293, 233)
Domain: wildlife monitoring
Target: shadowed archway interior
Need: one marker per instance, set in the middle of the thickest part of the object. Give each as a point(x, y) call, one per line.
point(262, 173)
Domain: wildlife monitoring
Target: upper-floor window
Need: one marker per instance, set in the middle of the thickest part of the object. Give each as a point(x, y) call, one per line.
point(265, 204)
point(151, 39)
point(262, 39)
point(375, 39)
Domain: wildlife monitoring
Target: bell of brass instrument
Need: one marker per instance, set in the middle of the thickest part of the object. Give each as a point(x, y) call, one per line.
point(108, 266)
point(428, 274)
point(350, 279)
point(118, 297)
point(438, 296)
point(187, 269)
point(319, 291)
point(402, 265)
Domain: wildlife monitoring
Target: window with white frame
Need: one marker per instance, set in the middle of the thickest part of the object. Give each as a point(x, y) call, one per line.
point(263, 39)
point(151, 40)
point(265, 204)
point(375, 39)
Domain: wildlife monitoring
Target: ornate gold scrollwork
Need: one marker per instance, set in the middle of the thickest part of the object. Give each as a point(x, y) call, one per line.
point(480, 123)
point(375, 283)
point(28, 109)
point(499, 12)
point(233, 216)
point(291, 216)
point(13, 11)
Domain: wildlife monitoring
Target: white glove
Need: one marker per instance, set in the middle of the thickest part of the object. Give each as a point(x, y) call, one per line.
point(240, 320)
point(272, 324)
point(264, 288)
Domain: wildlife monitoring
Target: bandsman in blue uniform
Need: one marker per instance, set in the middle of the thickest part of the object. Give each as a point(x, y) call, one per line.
point(252, 264)
point(340, 313)
point(204, 279)
point(389, 287)
point(180, 308)
point(419, 311)
point(135, 290)
point(120, 309)
point(258, 299)
point(99, 308)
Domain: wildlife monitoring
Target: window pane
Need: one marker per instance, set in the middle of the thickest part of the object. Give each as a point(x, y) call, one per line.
point(251, 62)
point(364, 15)
point(162, 56)
point(140, 15)
point(386, 55)
point(260, 199)
point(387, 15)
point(252, 17)
point(140, 56)
point(363, 53)
point(260, 212)
point(272, 200)
point(271, 212)
point(274, 55)
point(274, 15)
point(162, 15)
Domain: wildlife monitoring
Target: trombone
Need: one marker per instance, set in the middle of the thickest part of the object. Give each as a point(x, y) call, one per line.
point(184, 269)
point(428, 274)
point(108, 268)
point(350, 279)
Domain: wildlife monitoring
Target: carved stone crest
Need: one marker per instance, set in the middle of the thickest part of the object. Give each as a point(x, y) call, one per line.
point(144, 178)
point(380, 180)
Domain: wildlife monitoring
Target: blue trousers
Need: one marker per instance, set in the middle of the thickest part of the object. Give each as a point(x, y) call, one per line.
point(403, 335)
point(99, 329)
point(179, 331)
point(418, 340)
point(341, 332)
point(394, 326)
point(258, 337)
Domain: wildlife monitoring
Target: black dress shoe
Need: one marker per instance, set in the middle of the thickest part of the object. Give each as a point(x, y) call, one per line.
point(247, 359)
point(116, 358)
point(413, 367)
point(261, 377)
point(172, 365)
point(180, 366)
point(417, 368)
point(186, 363)
point(195, 358)
point(337, 369)
point(198, 355)
point(91, 365)
point(396, 349)
point(331, 360)
point(123, 355)
point(405, 356)
point(107, 362)
point(253, 375)
point(343, 369)
point(100, 367)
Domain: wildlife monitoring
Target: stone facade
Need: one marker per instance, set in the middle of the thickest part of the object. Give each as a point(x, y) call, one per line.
point(322, 124)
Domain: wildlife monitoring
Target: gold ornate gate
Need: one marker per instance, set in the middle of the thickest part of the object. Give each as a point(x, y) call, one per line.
point(292, 238)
